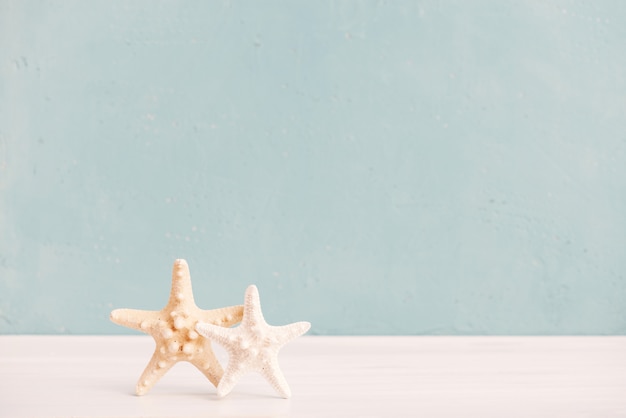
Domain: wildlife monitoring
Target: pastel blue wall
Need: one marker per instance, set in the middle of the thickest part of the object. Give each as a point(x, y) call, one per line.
point(375, 167)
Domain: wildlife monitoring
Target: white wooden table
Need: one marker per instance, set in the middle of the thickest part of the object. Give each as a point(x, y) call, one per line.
point(89, 376)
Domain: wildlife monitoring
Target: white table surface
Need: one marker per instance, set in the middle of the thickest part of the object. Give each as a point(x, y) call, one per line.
point(95, 376)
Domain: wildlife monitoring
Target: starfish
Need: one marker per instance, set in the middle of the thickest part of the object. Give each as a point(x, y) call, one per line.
point(173, 331)
point(253, 346)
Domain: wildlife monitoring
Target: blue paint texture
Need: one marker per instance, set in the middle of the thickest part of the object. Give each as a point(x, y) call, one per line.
point(375, 167)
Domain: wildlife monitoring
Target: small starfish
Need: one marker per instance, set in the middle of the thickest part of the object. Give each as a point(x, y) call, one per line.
point(173, 330)
point(253, 346)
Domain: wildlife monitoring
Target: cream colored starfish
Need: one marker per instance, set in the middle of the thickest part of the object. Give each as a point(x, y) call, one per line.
point(173, 330)
point(253, 346)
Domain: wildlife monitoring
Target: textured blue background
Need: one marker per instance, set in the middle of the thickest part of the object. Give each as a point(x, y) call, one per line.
point(424, 167)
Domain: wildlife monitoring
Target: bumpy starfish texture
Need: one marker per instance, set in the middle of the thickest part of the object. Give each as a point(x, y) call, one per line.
point(173, 330)
point(253, 346)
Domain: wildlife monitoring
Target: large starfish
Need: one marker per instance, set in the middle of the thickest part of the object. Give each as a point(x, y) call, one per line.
point(253, 346)
point(173, 329)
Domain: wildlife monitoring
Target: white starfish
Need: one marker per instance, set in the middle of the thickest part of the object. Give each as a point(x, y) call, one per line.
point(173, 331)
point(253, 346)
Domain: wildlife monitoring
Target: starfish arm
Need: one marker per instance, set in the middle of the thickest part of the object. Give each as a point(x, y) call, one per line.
point(272, 373)
point(287, 333)
point(210, 367)
point(225, 317)
point(154, 371)
point(216, 333)
point(231, 376)
point(135, 318)
point(252, 313)
point(181, 283)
